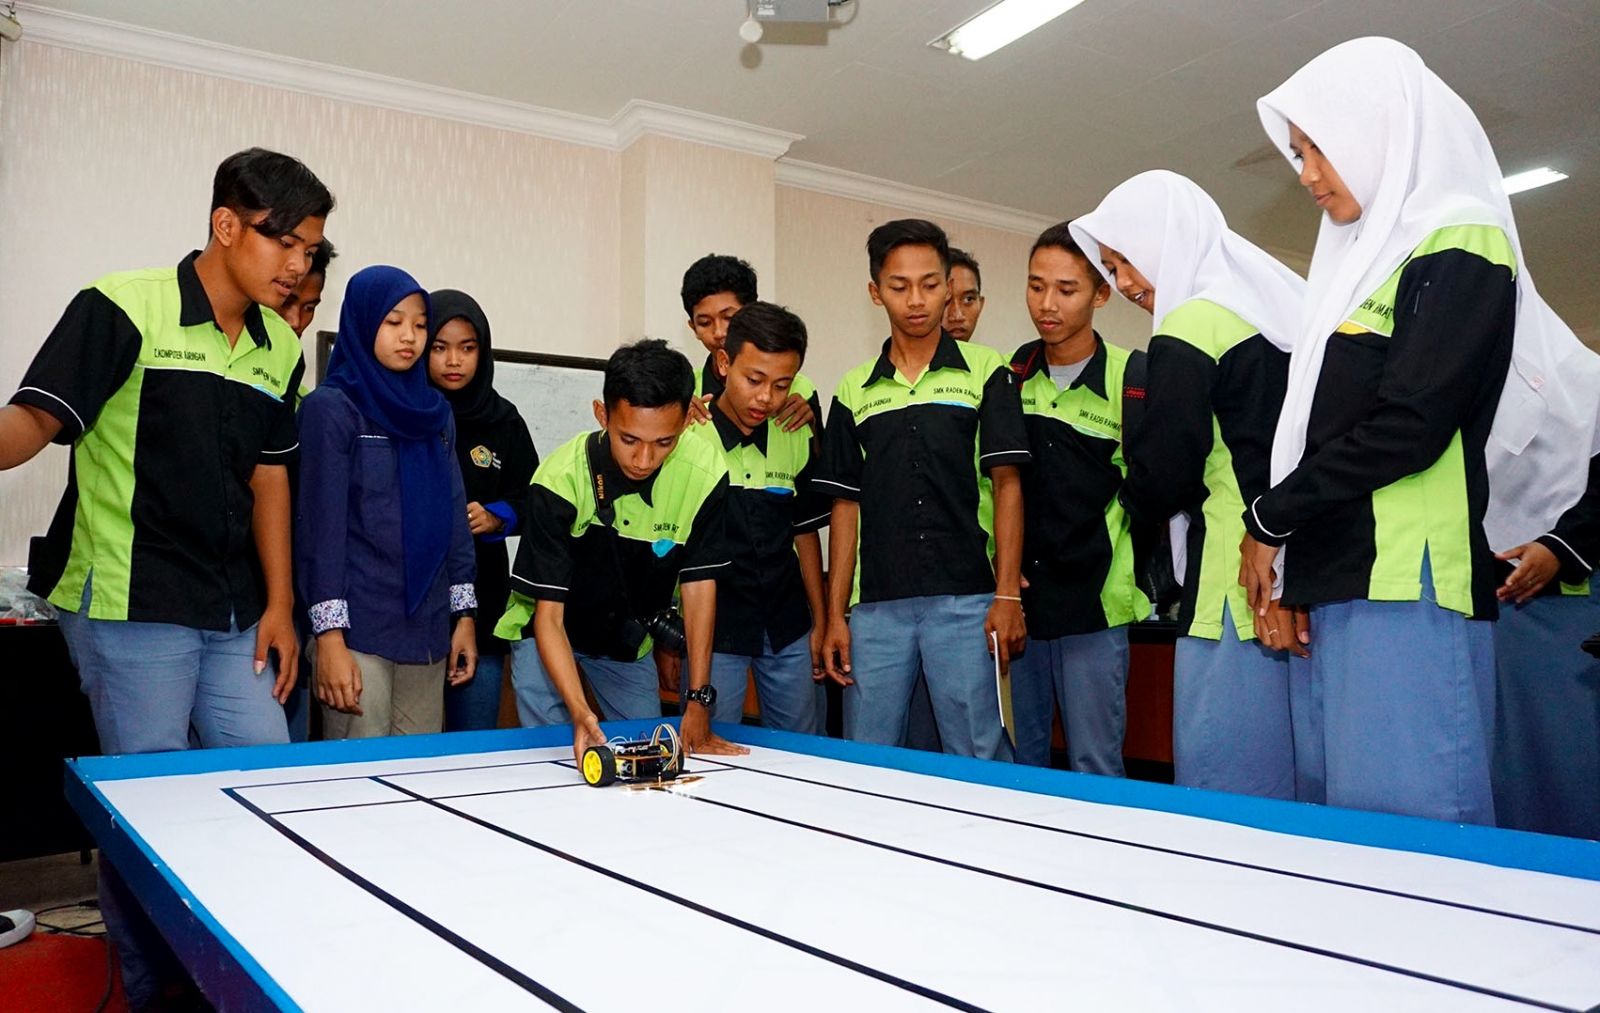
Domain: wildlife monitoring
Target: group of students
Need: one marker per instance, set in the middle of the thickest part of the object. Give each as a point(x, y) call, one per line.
point(1345, 468)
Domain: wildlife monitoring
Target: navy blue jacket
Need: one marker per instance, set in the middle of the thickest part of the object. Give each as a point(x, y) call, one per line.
point(347, 539)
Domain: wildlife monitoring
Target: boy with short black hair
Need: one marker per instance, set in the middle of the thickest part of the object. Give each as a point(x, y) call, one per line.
point(1077, 550)
point(301, 306)
point(715, 287)
point(770, 605)
point(966, 296)
point(168, 558)
point(614, 520)
point(912, 432)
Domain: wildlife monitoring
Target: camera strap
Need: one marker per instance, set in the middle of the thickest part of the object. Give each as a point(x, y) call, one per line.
point(605, 512)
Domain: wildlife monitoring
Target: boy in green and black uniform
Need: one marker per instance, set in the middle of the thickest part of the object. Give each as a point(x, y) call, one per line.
point(1077, 554)
point(614, 520)
point(931, 569)
point(770, 611)
point(168, 558)
point(300, 308)
point(961, 313)
point(715, 287)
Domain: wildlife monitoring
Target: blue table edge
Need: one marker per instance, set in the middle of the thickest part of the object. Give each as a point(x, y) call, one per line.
point(233, 979)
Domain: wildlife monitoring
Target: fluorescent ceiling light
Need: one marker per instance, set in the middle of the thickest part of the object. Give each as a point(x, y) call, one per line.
point(1533, 178)
point(1000, 25)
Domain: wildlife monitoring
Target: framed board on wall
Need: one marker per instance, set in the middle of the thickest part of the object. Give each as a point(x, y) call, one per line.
point(554, 393)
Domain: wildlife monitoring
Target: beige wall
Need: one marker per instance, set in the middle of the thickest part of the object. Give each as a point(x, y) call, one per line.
point(681, 201)
point(822, 275)
point(106, 164)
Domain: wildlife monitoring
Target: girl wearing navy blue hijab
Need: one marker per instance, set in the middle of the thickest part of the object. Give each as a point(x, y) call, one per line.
point(382, 548)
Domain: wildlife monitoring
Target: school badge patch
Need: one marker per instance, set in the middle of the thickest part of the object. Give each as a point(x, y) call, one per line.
point(482, 456)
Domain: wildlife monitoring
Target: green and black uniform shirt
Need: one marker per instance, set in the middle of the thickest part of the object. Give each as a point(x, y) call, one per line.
point(911, 453)
point(1393, 464)
point(1212, 396)
point(167, 422)
point(771, 499)
point(706, 381)
point(668, 528)
point(1077, 552)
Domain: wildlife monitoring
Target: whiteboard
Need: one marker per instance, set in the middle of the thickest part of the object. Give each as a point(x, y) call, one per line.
point(556, 396)
point(554, 393)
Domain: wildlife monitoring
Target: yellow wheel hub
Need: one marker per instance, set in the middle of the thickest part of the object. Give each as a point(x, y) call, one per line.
point(592, 768)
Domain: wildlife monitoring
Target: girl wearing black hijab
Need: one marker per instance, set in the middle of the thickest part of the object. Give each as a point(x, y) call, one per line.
point(497, 459)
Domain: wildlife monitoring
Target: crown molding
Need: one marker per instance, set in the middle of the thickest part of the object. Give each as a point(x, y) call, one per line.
point(640, 118)
point(636, 119)
point(875, 190)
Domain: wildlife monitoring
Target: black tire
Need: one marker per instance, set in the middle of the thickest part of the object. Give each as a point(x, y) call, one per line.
point(599, 767)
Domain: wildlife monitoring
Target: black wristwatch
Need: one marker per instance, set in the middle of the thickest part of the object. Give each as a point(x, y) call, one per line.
point(705, 696)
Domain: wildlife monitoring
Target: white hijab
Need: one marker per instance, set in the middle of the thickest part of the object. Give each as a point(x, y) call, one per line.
point(1415, 157)
point(1174, 233)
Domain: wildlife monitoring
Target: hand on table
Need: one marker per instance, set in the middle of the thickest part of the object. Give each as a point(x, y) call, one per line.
point(585, 733)
point(697, 737)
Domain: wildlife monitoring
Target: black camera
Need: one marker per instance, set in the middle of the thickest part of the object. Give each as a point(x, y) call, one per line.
point(666, 627)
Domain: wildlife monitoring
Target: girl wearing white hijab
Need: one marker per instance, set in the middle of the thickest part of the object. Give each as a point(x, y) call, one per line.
point(1385, 470)
point(1224, 313)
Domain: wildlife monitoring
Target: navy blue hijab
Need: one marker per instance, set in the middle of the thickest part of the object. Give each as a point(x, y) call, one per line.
point(410, 411)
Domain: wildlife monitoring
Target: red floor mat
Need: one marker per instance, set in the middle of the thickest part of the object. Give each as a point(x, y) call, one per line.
point(48, 973)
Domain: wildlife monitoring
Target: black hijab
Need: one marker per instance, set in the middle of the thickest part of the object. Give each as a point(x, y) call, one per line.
point(477, 404)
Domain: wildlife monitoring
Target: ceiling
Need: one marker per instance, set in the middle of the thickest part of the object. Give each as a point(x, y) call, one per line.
point(1047, 124)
